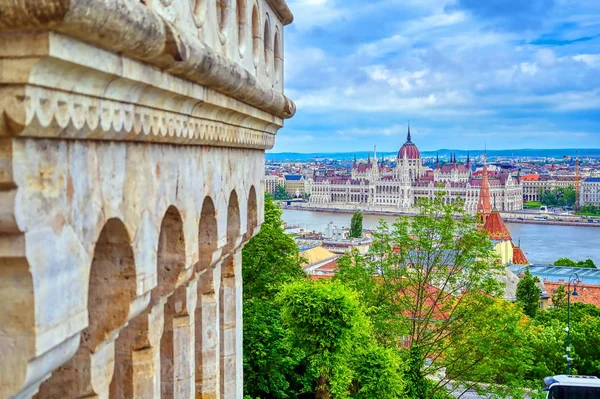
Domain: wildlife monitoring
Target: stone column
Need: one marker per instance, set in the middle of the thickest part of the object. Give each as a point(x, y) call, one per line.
point(177, 348)
point(207, 336)
point(137, 373)
point(230, 312)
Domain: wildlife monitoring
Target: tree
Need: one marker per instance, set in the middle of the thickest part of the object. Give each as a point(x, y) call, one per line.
point(559, 297)
point(326, 321)
point(356, 225)
point(425, 281)
point(281, 193)
point(271, 258)
point(588, 263)
point(564, 262)
point(528, 293)
point(271, 363)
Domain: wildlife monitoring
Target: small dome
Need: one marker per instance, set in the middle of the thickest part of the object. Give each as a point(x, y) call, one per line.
point(409, 148)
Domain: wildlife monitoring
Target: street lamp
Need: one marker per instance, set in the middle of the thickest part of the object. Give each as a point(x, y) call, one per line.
point(573, 278)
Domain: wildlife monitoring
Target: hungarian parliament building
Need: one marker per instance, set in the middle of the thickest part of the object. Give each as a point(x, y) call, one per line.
point(375, 186)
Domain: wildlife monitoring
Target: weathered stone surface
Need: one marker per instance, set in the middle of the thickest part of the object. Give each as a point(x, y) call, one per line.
point(132, 138)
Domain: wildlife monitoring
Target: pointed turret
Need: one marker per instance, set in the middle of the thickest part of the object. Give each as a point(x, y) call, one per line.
point(437, 160)
point(484, 206)
point(468, 164)
point(354, 164)
point(408, 138)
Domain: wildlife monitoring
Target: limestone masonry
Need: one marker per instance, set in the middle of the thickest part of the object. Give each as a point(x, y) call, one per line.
point(131, 175)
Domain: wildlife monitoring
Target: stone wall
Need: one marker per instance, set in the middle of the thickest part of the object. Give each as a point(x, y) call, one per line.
point(132, 138)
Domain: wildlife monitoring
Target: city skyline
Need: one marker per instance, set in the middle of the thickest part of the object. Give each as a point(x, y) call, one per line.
point(464, 73)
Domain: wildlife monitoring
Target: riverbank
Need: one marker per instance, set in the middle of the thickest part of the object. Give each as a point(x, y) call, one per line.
point(510, 217)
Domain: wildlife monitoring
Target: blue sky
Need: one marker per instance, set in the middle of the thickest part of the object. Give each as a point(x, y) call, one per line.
point(466, 73)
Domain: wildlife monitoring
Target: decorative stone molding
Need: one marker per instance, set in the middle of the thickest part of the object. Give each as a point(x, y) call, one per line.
point(140, 32)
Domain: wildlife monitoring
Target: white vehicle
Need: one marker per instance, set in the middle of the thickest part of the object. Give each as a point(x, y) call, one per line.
point(572, 387)
point(543, 209)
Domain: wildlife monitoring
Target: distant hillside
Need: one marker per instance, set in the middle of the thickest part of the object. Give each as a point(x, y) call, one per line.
point(444, 153)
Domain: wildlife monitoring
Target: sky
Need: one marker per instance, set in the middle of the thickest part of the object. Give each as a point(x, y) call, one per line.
point(506, 74)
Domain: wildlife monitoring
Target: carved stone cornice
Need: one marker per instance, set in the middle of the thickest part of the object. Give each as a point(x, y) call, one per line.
point(137, 31)
point(42, 94)
point(282, 9)
point(39, 112)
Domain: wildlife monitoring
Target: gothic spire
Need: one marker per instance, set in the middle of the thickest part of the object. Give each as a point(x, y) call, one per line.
point(437, 160)
point(408, 138)
point(484, 206)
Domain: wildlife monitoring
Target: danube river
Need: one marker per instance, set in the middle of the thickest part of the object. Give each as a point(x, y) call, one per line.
point(541, 243)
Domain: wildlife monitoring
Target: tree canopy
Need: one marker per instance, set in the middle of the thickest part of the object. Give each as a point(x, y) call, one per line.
point(528, 293)
point(356, 225)
point(426, 281)
point(588, 263)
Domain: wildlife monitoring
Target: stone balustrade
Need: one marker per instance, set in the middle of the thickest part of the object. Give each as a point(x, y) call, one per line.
point(132, 138)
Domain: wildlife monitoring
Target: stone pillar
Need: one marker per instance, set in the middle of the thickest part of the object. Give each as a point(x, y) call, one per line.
point(177, 344)
point(137, 373)
point(207, 336)
point(230, 313)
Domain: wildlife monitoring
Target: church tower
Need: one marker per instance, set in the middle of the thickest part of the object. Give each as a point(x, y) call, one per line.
point(484, 207)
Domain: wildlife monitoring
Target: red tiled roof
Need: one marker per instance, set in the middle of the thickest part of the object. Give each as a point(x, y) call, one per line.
point(495, 227)
point(530, 177)
point(588, 293)
point(519, 257)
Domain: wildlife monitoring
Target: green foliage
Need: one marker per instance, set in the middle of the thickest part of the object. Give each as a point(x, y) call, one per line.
point(589, 210)
point(532, 204)
point(377, 373)
point(356, 225)
point(271, 362)
point(432, 279)
point(270, 259)
point(588, 263)
point(326, 321)
point(559, 297)
point(564, 262)
point(281, 193)
point(528, 293)
point(585, 339)
point(558, 197)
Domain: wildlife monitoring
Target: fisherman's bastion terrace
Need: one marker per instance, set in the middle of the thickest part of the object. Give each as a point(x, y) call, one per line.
point(132, 173)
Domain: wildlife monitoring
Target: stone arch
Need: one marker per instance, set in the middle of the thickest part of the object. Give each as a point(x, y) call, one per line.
point(206, 316)
point(112, 287)
point(137, 348)
point(256, 37)
point(207, 234)
point(268, 45)
point(171, 259)
point(242, 22)
point(252, 219)
point(278, 56)
point(233, 220)
point(229, 308)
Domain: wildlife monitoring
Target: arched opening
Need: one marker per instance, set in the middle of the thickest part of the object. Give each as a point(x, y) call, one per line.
point(206, 319)
point(256, 38)
point(242, 26)
point(228, 306)
point(112, 287)
point(268, 45)
point(278, 57)
point(252, 222)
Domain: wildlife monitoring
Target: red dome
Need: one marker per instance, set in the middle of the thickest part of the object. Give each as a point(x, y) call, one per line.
point(411, 151)
point(409, 148)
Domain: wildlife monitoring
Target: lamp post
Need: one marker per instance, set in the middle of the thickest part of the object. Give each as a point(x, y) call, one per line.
point(573, 278)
